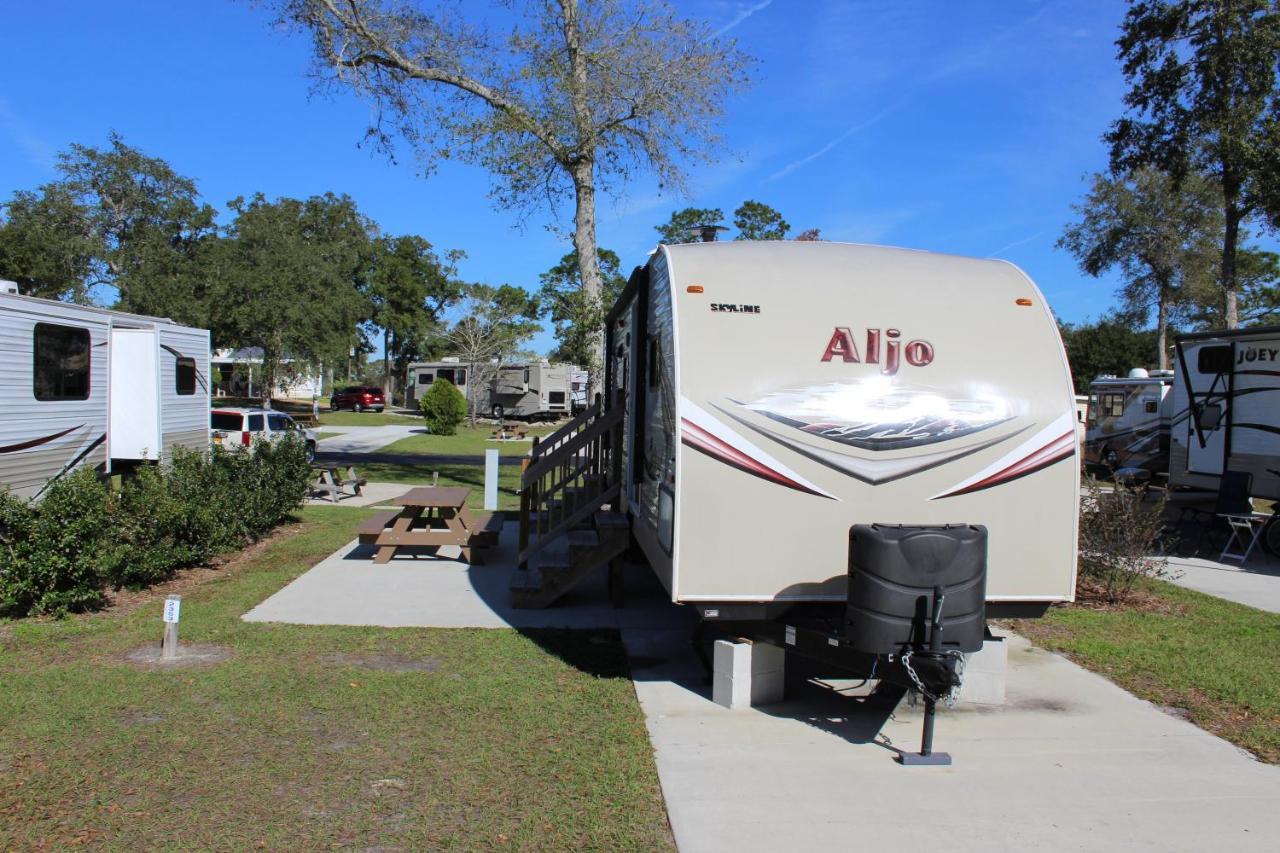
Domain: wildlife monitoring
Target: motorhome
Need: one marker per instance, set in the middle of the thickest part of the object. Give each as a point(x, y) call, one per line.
point(534, 391)
point(1228, 383)
point(1128, 421)
point(421, 374)
point(88, 386)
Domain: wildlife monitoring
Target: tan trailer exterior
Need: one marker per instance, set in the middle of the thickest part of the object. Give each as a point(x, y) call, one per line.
point(778, 393)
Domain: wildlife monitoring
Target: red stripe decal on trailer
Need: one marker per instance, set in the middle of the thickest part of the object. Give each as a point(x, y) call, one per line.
point(704, 442)
point(1062, 447)
point(36, 442)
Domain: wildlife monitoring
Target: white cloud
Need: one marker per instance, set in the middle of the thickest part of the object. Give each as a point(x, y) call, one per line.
point(743, 12)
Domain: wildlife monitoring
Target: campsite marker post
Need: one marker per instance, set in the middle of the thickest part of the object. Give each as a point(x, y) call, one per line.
point(169, 645)
point(491, 479)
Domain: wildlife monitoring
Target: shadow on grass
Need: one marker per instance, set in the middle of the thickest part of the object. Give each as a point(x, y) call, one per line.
point(598, 652)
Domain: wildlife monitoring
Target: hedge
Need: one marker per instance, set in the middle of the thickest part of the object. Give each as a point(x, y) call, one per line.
point(444, 407)
point(84, 537)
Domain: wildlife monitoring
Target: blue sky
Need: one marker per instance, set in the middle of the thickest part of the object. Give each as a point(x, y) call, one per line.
point(953, 127)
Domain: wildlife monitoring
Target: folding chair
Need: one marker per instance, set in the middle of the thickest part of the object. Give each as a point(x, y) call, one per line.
point(1235, 506)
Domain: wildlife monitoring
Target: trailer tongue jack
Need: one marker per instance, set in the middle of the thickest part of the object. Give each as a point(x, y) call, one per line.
point(940, 677)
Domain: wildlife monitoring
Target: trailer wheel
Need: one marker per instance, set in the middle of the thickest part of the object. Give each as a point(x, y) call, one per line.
point(1110, 458)
point(1271, 536)
point(497, 412)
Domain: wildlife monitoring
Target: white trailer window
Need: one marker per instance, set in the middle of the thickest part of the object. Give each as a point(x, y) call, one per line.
point(1113, 405)
point(426, 378)
point(61, 362)
point(185, 376)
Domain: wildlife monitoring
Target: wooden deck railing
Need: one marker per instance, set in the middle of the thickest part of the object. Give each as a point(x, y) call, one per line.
point(583, 456)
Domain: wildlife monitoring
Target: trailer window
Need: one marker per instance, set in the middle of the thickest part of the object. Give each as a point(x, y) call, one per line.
point(445, 373)
point(1092, 415)
point(1149, 406)
point(61, 362)
point(555, 398)
point(1215, 359)
point(1113, 405)
point(185, 376)
point(425, 378)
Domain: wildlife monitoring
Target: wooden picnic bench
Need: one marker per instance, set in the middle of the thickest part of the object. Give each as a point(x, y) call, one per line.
point(431, 517)
point(329, 480)
point(309, 421)
point(505, 432)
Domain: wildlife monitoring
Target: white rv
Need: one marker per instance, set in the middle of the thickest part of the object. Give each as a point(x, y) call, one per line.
point(536, 391)
point(778, 393)
point(421, 374)
point(1229, 384)
point(1128, 421)
point(88, 386)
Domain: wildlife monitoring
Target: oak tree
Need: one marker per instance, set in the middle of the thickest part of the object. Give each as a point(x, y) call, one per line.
point(557, 99)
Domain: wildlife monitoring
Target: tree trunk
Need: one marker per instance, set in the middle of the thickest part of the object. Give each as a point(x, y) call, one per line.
point(386, 362)
point(1162, 328)
point(582, 169)
point(584, 241)
point(1230, 238)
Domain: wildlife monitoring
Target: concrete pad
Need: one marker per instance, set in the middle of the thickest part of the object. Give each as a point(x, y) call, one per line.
point(370, 494)
point(346, 588)
point(1256, 584)
point(1072, 762)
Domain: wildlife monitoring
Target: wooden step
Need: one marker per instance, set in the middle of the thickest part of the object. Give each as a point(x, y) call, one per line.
point(583, 539)
point(557, 573)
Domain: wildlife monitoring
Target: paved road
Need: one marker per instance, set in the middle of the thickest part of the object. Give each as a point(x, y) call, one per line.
point(1257, 585)
point(365, 439)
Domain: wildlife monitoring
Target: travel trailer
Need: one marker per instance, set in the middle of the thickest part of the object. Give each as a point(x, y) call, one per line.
point(536, 391)
point(778, 393)
point(422, 373)
point(1228, 383)
point(1128, 421)
point(89, 386)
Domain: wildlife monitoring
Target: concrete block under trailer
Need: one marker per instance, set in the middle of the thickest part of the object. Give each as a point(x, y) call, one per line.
point(88, 386)
point(779, 393)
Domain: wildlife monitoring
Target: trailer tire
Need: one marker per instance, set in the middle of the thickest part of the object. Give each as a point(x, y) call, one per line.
point(1110, 458)
point(497, 412)
point(1271, 536)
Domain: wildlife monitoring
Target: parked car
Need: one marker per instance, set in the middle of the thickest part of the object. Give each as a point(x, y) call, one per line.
point(236, 427)
point(358, 399)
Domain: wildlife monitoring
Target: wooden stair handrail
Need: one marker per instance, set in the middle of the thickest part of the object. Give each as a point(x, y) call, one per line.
point(550, 441)
point(539, 467)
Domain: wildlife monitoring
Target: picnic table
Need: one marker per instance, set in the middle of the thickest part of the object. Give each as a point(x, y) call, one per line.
point(430, 517)
point(329, 480)
point(507, 432)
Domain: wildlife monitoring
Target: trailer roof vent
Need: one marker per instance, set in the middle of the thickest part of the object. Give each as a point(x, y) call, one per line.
point(1139, 373)
point(7, 286)
point(706, 233)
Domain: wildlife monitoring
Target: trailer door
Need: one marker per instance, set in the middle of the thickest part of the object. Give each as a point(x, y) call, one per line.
point(1208, 422)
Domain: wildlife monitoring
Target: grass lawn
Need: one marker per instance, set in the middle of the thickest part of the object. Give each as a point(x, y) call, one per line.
point(350, 418)
point(1218, 660)
point(319, 737)
point(466, 442)
point(321, 435)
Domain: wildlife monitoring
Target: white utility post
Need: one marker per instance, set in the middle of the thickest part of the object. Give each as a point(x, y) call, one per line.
point(491, 479)
point(169, 645)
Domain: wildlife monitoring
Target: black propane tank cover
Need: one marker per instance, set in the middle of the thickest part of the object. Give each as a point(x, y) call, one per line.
point(893, 570)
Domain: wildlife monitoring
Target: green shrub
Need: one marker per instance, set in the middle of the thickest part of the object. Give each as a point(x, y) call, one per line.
point(59, 555)
point(56, 556)
point(444, 407)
